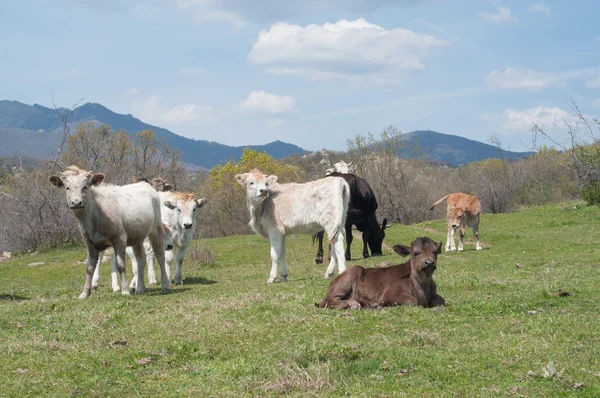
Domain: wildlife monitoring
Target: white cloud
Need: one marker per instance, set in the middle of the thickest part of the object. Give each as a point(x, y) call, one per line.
point(191, 71)
point(501, 16)
point(261, 102)
point(355, 50)
point(150, 110)
point(593, 83)
point(540, 7)
point(515, 78)
point(133, 91)
point(515, 119)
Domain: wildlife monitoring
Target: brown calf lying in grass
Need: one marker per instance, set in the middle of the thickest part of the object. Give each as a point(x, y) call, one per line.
point(408, 283)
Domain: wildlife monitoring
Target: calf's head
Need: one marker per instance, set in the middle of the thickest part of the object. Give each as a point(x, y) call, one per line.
point(458, 217)
point(185, 205)
point(257, 185)
point(76, 183)
point(376, 237)
point(423, 254)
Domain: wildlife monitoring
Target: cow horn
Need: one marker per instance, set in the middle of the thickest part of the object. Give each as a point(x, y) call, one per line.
point(349, 164)
point(331, 163)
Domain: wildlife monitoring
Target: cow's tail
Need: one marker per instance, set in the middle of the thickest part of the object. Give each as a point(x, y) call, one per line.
point(439, 201)
point(345, 204)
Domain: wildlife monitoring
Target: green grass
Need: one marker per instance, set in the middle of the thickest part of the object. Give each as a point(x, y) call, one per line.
point(225, 332)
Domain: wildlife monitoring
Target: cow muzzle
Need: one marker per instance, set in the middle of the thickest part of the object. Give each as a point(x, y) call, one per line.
point(169, 247)
point(187, 225)
point(428, 265)
point(76, 204)
point(262, 192)
point(455, 226)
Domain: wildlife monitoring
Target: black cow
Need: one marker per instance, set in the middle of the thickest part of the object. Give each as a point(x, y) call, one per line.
point(361, 212)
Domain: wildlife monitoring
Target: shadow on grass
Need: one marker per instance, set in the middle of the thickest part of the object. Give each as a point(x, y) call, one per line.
point(12, 297)
point(197, 280)
point(158, 291)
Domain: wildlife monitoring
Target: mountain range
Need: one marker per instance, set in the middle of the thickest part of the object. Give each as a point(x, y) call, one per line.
point(36, 131)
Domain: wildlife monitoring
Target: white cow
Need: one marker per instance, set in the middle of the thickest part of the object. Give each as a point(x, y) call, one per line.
point(117, 216)
point(159, 185)
point(340, 167)
point(178, 213)
point(277, 210)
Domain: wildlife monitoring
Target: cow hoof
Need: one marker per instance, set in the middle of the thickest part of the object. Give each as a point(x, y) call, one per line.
point(355, 307)
point(83, 296)
point(319, 260)
point(126, 293)
point(152, 283)
point(461, 249)
point(283, 279)
point(328, 276)
point(270, 280)
point(478, 248)
point(94, 287)
point(165, 291)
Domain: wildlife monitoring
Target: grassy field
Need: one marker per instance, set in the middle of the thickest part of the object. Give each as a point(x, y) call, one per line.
point(530, 298)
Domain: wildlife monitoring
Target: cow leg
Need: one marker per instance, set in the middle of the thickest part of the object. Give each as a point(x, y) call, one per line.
point(158, 247)
point(365, 237)
point(276, 242)
point(461, 237)
point(119, 247)
point(114, 275)
point(92, 262)
point(169, 256)
point(319, 256)
point(390, 298)
point(338, 256)
point(150, 265)
point(349, 238)
point(134, 266)
point(450, 246)
point(96, 276)
point(179, 264)
point(140, 257)
point(476, 232)
point(283, 272)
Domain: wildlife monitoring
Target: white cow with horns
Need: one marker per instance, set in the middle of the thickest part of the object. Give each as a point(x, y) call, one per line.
point(117, 216)
point(277, 210)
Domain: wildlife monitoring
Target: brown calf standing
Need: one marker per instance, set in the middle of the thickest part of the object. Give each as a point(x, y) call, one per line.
point(463, 211)
point(408, 283)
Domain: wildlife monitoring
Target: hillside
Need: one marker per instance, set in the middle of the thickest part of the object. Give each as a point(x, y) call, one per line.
point(454, 150)
point(35, 131)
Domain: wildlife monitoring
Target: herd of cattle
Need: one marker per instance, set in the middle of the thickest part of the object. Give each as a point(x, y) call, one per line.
point(147, 220)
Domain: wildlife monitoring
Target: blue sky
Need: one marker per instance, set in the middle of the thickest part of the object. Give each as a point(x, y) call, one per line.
point(312, 72)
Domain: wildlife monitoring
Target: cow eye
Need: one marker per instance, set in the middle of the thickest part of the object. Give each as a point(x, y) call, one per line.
point(67, 188)
point(84, 187)
point(251, 183)
point(417, 254)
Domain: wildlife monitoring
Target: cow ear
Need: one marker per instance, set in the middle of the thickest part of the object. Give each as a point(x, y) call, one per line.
point(439, 248)
point(241, 179)
point(56, 181)
point(272, 179)
point(384, 224)
point(402, 250)
point(201, 202)
point(167, 187)
point(97, 179)
point(169, 204)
